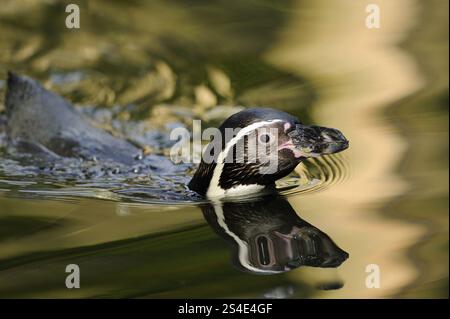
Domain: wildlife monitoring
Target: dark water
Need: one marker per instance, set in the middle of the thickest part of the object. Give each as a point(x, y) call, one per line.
point(142, 68)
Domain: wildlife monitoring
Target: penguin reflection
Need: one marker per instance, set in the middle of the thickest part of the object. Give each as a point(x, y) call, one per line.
point(268, 237)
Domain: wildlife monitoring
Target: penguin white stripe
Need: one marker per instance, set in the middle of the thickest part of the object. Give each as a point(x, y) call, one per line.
point(214, 188)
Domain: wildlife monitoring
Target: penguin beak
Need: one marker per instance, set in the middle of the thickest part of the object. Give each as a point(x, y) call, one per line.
point(333, 140)
point(312, 140)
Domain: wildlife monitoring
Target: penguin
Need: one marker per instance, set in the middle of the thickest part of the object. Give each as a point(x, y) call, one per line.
point(255, 147)
point(266, 145)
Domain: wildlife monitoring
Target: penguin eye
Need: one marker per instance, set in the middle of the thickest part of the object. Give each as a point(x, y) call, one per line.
point(264, 138)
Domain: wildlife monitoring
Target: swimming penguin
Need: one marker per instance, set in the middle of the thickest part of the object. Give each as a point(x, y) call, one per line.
point(255, 147)
point(267, 145)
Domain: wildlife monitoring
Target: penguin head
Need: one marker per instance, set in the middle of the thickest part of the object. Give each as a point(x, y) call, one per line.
point(255, 148)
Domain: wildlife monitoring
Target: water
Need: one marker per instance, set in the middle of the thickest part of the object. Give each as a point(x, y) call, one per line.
point(146, 67)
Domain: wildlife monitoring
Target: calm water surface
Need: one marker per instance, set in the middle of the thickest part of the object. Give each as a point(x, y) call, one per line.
point(146, 67)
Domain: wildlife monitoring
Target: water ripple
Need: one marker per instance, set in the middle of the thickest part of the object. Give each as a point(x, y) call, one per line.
point(315, 174)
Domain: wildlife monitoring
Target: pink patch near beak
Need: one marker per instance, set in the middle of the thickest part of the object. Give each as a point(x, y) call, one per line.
point(287, 126)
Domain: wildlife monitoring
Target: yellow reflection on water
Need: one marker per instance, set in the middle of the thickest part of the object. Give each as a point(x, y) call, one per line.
point(358, 72)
